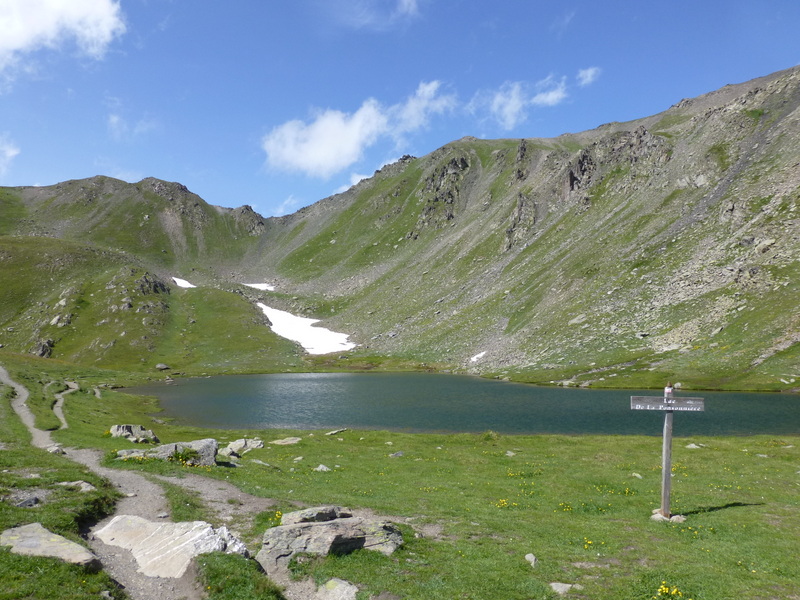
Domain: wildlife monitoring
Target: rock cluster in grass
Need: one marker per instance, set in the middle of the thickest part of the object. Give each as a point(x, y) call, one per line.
point(195, 453)
point(237, 448)
point(134, 433)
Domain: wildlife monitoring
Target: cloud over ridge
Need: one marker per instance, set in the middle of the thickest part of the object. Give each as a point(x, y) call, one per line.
point(334, 140)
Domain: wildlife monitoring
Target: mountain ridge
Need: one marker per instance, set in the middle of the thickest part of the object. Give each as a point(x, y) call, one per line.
point(664, 247)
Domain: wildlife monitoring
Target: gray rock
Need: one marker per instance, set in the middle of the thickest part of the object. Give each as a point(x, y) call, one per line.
point(316, 514)
point(83, 486)
point(531, 559)
point(562, 588)
point(336, 589)
point(321, 469)
point(28, 502)
point(134, 433)
point(167, 549)
point(338, 536)
point(286, 441)
point(206, 452)
point(35, 540)
point(243, 445)
point(162, 367)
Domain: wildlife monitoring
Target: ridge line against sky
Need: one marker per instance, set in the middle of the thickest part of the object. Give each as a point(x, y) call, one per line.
point(280, 105)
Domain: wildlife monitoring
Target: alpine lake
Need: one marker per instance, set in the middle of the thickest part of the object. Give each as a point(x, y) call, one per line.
point(425, 402)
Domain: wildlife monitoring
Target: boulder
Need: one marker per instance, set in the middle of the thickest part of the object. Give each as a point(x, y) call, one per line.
point(134, 433)
point(34, 540)
point(317, 514)
point(196, 453)
point(239, 447)
point(167, 549)
point(322, 537)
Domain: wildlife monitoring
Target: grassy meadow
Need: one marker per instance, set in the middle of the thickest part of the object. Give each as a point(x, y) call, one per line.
point(472, 506)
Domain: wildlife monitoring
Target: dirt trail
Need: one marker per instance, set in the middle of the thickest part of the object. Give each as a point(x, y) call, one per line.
point(143, 498)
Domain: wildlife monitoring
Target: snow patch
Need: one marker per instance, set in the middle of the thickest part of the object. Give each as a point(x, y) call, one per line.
point(478, 356)
point(261, 286)
point(182, 283)
point(315, 340)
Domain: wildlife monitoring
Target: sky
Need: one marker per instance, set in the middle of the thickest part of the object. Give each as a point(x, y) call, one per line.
point(278, 104)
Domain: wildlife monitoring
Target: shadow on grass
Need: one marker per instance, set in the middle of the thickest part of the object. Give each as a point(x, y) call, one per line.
point(708, 509)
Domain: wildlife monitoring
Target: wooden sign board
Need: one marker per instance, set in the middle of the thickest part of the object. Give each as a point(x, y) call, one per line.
point(668, 405)
point(661, 403)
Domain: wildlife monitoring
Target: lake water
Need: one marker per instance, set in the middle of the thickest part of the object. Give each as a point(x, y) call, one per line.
point(423, 402)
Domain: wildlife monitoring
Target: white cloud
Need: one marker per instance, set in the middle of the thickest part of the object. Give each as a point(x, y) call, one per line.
point(287, 206)
point(354, 179)
point(334, 140)
point(562, 23)
point(415, 112)
point(121, 130)
point(588, 76)
point(509, 104)
point(331, 142)
point(551, 91)
point(378, 15)
point(29, 25)
point(8, 150)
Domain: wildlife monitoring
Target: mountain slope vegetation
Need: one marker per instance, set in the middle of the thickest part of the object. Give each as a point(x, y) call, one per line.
point(662, 248)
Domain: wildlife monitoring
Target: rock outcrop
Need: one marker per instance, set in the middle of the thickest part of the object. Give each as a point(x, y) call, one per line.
point(321, 531)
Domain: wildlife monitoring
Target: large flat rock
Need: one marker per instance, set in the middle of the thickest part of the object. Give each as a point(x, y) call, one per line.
point(167, 549)
point(34, 540)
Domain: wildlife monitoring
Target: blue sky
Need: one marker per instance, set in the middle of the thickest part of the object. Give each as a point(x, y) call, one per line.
point(278, 104)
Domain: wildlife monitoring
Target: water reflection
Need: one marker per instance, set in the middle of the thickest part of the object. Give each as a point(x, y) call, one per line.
point(422, 402)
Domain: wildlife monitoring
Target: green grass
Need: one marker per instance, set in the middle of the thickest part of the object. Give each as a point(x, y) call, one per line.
point(231, 577)
point(482, 502)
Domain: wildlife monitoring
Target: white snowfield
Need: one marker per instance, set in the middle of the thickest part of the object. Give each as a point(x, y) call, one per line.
point(182, 283)
point(315, 340)
point(261, 286)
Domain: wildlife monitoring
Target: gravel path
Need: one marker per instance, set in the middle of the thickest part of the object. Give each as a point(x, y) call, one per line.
point(144, 498)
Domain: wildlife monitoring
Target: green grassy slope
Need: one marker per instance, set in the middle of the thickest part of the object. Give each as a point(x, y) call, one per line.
point(662, 248)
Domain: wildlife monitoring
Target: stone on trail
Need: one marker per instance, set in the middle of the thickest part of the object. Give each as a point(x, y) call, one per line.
point(166, 549)
point(34, 540)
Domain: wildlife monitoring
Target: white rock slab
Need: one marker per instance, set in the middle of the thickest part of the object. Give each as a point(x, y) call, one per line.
point(34, 540)
point(165, 549)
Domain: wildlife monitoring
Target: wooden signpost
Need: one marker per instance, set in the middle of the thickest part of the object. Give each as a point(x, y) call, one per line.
point(669, 405)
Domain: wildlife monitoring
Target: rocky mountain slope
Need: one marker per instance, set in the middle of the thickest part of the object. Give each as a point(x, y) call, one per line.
point(666, 247)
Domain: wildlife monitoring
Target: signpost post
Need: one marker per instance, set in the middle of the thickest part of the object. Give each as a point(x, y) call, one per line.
point(669, 405)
